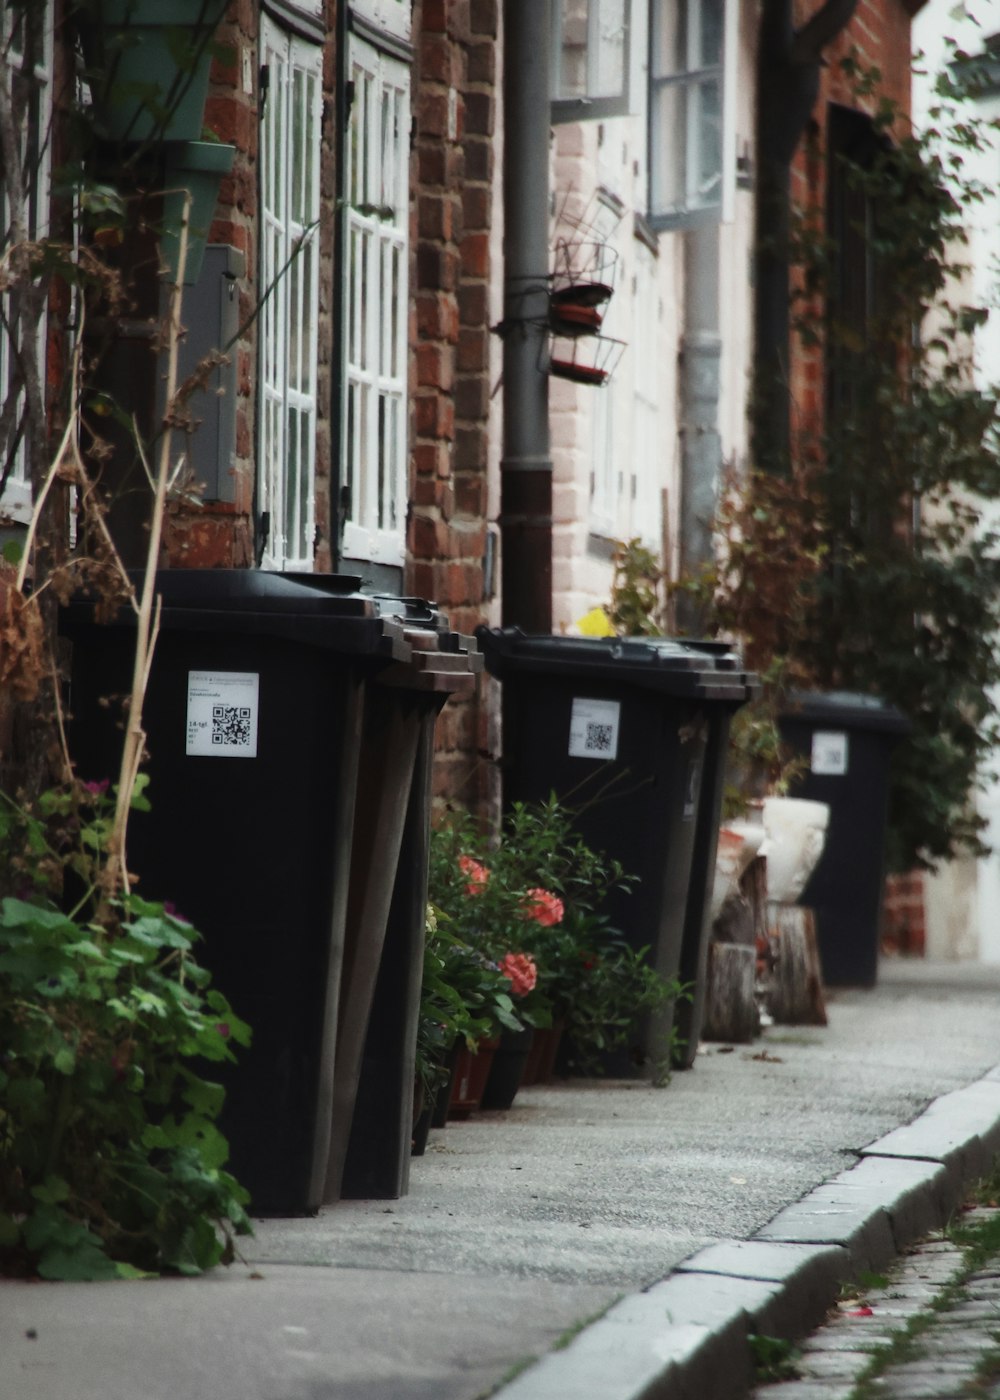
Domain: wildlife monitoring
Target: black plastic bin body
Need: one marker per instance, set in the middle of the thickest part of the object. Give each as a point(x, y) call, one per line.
point(373, 1104)
point(689, 1015)
point(257, 848)
point(848, 739)
point(620, 729)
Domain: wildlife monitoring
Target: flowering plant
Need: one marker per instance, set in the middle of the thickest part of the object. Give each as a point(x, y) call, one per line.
point(528, 900)
point(464, 997)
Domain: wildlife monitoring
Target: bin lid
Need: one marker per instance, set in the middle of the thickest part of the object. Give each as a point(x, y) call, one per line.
point(442, 660)
point(653, 663)
point(327, 612)
point(847, 708)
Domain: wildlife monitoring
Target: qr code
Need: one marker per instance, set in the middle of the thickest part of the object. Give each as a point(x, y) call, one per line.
point(231, 725)
point(600, 737)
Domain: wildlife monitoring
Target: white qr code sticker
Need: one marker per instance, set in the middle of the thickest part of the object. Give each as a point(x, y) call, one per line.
point(222, 714)
point(593, 729)
point(830, 753)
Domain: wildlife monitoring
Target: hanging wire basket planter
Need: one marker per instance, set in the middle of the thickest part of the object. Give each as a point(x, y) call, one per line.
point(583, 359)
point(583, 271)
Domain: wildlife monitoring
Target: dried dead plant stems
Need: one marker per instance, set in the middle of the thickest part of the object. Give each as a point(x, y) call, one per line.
point(148, 622)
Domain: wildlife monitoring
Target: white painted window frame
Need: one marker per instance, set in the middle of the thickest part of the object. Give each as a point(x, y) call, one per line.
point(594, 105)
point(375, 418)
point(15, 504)
point(288, 350)
point(390, 17)
point(693, 208)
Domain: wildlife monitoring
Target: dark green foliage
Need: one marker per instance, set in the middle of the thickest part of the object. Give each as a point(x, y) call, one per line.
point(908, 603)
point(110, 1160)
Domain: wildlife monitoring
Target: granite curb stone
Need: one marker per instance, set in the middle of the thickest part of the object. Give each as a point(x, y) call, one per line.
point(873, 1210)
point(961, 1130)
point(807, 1276)
point(687, 1337)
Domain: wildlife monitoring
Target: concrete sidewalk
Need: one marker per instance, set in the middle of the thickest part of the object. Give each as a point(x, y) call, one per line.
point(577, 1204)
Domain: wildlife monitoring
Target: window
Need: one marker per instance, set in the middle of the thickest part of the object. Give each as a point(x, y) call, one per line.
point(375, 333)
point(31, 88)
point(289, 259)
point(590, 58)
point(692, 138)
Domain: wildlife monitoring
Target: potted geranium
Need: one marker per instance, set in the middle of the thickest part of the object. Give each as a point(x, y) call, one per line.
point(528, 902)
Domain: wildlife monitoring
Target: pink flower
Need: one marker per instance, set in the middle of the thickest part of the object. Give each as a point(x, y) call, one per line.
point(520, 971)
point(544, 907)
point(478, 874)
point(97, 789)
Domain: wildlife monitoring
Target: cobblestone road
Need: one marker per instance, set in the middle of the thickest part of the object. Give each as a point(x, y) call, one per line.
point(930, 1330)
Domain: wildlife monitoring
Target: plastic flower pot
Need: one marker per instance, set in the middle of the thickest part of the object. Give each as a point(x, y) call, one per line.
point(471, 1074)
point(507, 1070)
point(198, 167)
point(542, 1055)
point(151, 61)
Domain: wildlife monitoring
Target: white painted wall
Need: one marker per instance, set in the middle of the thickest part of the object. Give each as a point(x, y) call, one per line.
point(616, 450)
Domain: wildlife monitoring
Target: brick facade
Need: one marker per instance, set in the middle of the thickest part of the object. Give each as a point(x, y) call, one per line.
point(454, 86)
point(904, 915)
point(878, 36)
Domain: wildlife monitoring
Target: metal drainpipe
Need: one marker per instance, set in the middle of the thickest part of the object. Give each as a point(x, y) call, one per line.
point(526, 465)
point(701, 445)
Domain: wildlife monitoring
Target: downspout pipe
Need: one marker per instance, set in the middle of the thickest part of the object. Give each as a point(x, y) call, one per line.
point(526, 464)
point(701, 442)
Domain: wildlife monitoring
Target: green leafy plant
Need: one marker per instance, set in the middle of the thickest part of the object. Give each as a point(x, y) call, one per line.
point(637, 606)
point(773, 1358)
point(110, 1158)
point(111, 1163)
point(464, 997)
point(907, 602)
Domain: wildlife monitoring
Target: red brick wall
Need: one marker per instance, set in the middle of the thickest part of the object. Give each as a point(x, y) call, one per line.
point(454, 114)
point(877, 36)
point(903, 914)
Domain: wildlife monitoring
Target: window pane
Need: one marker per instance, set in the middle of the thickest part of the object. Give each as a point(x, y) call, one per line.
point(363, 455)
point(294, 275)
point(708, 158)
point(289, 145)
point(301, 109)
point(292, 483)
point(713, 18)
point(669, 44)
point(25, 50)
point(309, 197)
point(572, 18)
point(607, 78)
point(395, 310)
point(668, 147)
point(687, 139)
point(378, 225)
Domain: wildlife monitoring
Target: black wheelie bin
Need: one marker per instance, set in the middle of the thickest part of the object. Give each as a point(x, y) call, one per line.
point(620, 729)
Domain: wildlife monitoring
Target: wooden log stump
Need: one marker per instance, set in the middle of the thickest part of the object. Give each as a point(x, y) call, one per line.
point(731, 1011)
point(795, 991)
point(730, 1004)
